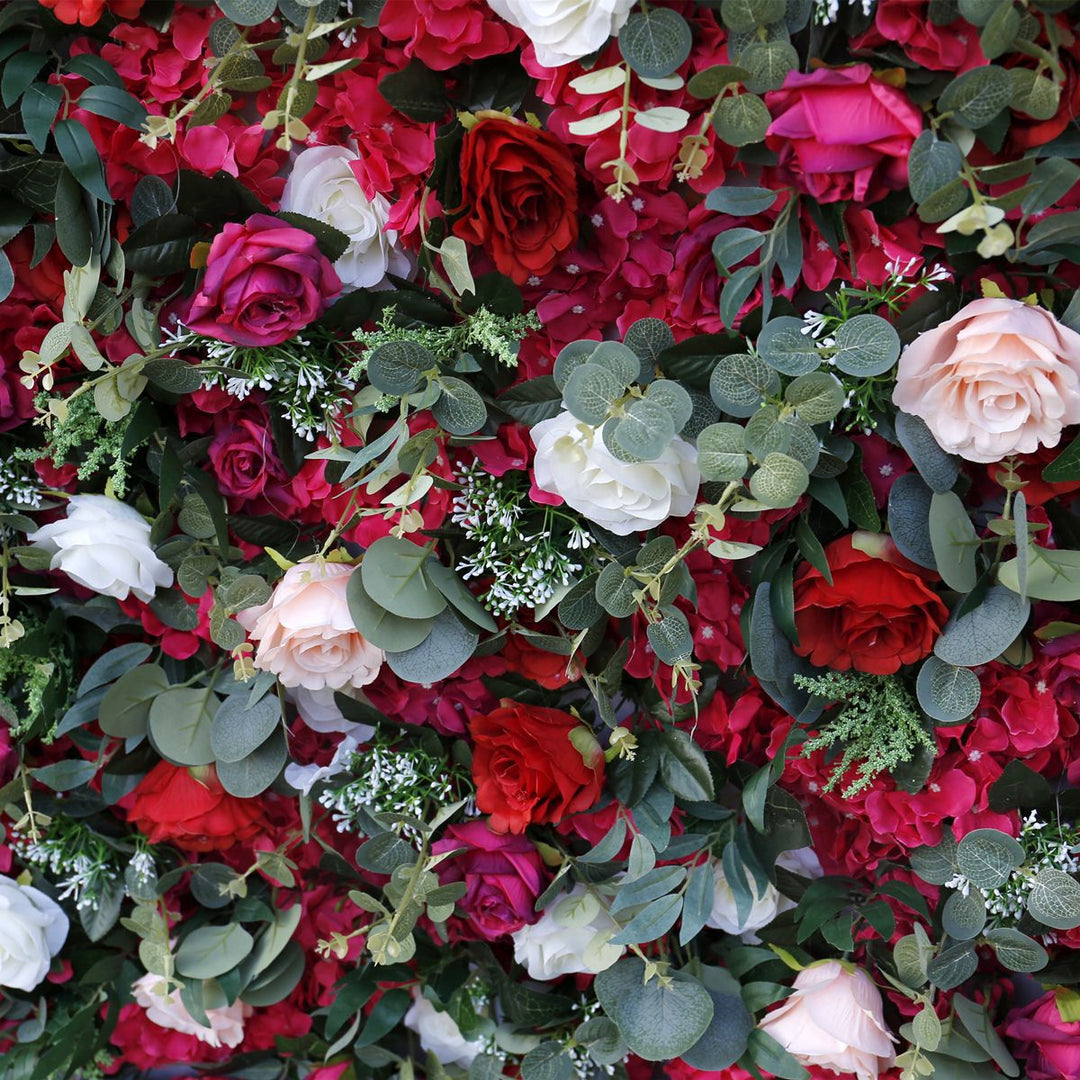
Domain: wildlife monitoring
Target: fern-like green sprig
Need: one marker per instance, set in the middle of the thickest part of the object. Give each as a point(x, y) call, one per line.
point(878, 723)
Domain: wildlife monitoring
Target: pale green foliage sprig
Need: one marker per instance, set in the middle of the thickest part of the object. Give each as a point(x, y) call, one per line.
point(84, 437)
point(878, 723)
point(484, 329)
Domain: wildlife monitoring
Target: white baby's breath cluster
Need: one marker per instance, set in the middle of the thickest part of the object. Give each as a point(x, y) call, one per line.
point(298, 377)
point(516, 542)
point(79, 862)
point(395, 782)
point(828, 11)
point(1048, 845)
point(18, 485)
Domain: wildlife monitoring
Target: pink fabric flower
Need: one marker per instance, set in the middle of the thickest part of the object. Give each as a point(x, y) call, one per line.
point(842, 133)
point(264, 282)
point(503, 875)
point(443, 33)
point(1000, 377)
point(1049, 1045)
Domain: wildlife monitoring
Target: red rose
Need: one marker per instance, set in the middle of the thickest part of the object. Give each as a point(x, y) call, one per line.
point(843, 133)
point(878, 614)
point(546, 669)
point(264, 281)
point(190, 808)
point(519, 196)
point(528, 770)
point(503, 876)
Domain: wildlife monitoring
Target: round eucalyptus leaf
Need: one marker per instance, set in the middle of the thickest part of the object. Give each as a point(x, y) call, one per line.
point(866, 345)
point(741, 120)
point(439, 655)
point(210, 951)
point(1054, 900)
point(646, 430)
point(725, 1039)
point(393, 576)
point(125, 709)
point(590, 392)
point(1017, 951)
point(964, 917)
point(238, 729)
point(721, 452)
point(615, 591)
point(459, 410)
point(817, 396)
point(977, 96)
point(647, 339)
point(247, 12)
point(953, 966)
point(655, 42)
point(786, 345)
point(947, 694)
point(741, 382)
point(570, 357)
point(671, 396)
point(396, 367)
point(779, 481)
point(252, 775)
point(383, 628)
point(179, 725)
point(670, 637)
point(617, 358)
point(982, 633)
point(987, 857)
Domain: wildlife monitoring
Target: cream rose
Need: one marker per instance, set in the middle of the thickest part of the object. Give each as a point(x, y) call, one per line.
point(562, 31)
point(305, 634)
point(168, 1011)
point(623, 497)
point(439, 1034)
point(322, 186)
point(768, 902)
point(571, 936)
point(104, 545)
point(1000, 377)
point(33, 929)
point(834, 1020)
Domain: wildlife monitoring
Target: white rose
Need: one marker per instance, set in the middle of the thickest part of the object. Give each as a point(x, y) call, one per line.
point(564, 30)
point(104, 544)
point(33, 928)
point(571, 936)
point(623, 497)
point(768, 902)
point(439, 1034)
point(834, 1020)
point(226, 1022)
point(322, 186)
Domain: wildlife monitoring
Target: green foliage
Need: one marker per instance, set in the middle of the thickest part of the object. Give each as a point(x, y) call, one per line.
point(878, 724)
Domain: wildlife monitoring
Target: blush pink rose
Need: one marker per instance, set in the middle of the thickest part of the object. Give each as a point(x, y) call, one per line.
point(305, 633)
point(842, 133)
point(1000, 377)
point(264, 282)
point(1049, 1045)
point(503, 875)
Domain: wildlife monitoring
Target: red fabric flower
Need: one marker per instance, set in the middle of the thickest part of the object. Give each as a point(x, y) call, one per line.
point(190, 808)
point(87, 12)
point(878, 614)
point(527, 769)
point(519, 196)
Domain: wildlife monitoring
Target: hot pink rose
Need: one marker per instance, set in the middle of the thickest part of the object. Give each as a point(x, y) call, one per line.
point(264, 281)
point(1000, 377)
point(842, 133)
point(503, 874)
point(1049, 1045)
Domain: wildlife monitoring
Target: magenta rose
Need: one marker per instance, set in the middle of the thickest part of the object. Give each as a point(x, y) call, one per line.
point(244, 460)
point(1050, 1045)
point(264, 282)
point(842, 133)
point(503, 875)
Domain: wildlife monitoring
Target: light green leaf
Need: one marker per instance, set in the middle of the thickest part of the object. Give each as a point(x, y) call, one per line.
point(441, 653)
point(210, 951)
point(985, 632)
point(947, 694)
point(779, 481)
point(987, 857)
point(180, 722)
point(394, 577)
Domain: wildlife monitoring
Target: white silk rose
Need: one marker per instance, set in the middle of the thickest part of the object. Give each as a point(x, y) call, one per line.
point(834, 1020)
point(562, 31)
point(104, 545)
point(768, 901)
point(322, 186)
point(33, 929)
point(168, 1011)
point(571, 936)
point(439, 1033)
point(305, 634)
point(1000, 377)
point(622, 497)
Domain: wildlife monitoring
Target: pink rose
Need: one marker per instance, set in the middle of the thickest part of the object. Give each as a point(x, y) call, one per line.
point(954, 47)
point(503, 875)
point(1000, 377)
point(834, 1020)
point(842, 133)
point(244, 460)
point(264, 282)
point(305, 633)
point(1049, 1045)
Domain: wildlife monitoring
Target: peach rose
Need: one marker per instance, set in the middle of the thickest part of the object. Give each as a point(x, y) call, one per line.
point(168, 1011)
point(305, 634)
point(1000, 377)
point(834, 1021)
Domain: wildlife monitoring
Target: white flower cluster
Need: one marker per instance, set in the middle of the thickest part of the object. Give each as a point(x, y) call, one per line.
point(18, 485)
point(394, 782)
point(828, 11)
point(526, 564)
